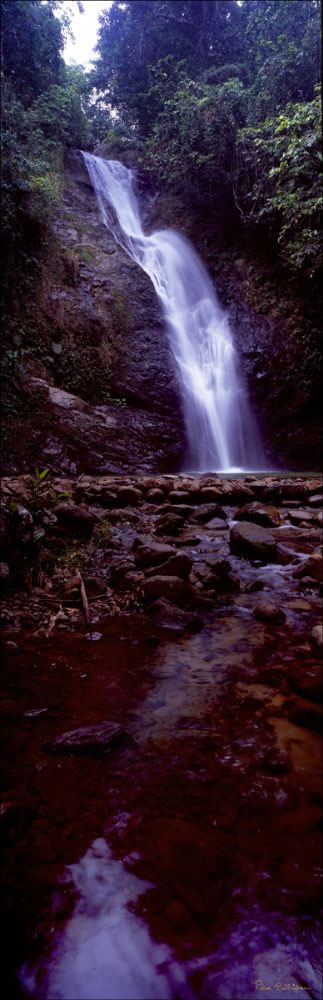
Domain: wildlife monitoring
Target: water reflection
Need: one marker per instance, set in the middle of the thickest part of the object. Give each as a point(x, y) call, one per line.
point(105, 951)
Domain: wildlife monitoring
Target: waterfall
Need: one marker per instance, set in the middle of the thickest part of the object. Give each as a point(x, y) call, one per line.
point(221, 431)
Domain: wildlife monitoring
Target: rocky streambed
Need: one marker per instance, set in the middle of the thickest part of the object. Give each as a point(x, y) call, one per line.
point(161, 806)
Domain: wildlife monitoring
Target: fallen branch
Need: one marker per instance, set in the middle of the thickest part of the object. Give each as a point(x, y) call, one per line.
point(84, 599)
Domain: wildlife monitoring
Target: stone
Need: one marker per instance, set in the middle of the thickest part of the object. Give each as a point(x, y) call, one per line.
point(155, 496)
point(169, 616)
point(23, 521)
point(267, 611)
point(207, 511)
point(263, 514)
point(142, 540)
point(228, 584)
point(153, 554)
point(188, 539)
point(4, 535)
point(171, 587)
point(237, 493)
point(307, 680)
point(302, 516)
point(179, 564)
point(219, 567)
point(317, 636)
point(293, 491)
point(180, 510)
point(178, 496)
point(316, 500)
point(305, 713)
point(314, 566)
point(210, 494)
point(253, 542)
point(4, 572)
point(171, 524)
point(97, 494)
point(133, 578)
point(254, 586)
point(76, 517)
point(283, 555)
point(216, 524)
point(128, 495)
point(94, 740)
point(95, 586)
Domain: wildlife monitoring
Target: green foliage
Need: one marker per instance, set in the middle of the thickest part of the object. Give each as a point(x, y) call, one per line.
point(39, 477)
point(56, 497)
point(74, 557)
point(221, 98)
point(198, 126)
point(102, 532)
point(279, 180)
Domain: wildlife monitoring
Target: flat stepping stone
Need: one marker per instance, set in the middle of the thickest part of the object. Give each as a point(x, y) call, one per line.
point(93, 740)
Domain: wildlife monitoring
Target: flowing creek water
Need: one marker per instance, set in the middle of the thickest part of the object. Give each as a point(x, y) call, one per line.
point(185, 863)
point(221, 429)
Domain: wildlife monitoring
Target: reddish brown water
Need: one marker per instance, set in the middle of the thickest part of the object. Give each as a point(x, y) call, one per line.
point(184, 864)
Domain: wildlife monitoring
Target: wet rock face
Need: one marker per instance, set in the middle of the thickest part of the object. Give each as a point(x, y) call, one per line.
point(76, 437)
point(253, 542)
point(107, 389)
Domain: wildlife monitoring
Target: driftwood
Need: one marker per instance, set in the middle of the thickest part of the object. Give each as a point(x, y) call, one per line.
point(84, 599)
point(77, 583)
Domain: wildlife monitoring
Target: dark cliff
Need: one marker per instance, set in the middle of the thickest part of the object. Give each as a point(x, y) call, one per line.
point(94, 367)
point(91, 384)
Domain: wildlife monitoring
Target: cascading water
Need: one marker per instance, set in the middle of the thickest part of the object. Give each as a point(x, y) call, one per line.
point(221, 431)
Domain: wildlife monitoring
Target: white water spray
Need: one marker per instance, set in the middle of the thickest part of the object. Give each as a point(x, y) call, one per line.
point(221, 431)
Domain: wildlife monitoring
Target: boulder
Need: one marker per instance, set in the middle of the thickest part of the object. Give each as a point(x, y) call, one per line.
point(207, 511)
point(314, 566)
point(228, 584)
point(317, 636)
point(178, 496)
point(210, 494)
point(216, 524)
point(268, 611)
point(171, 524)
point(23, 524)
point(219, 567)
point(238, 492)
point(253, 542)
point(307, 680)
point(180, 510)
point(168, 616)
point(179, 564)
point(171, 587)
point(302, 516)
point(4, 572)
point(305, 713)
point(152, 554)
point(128, 495)
point(189, 539)
point(4, 535)
point(76, 518)
point(90, 740)
point(284, 555)
point(155, 496)
point(316, 500)
point(263, 514)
